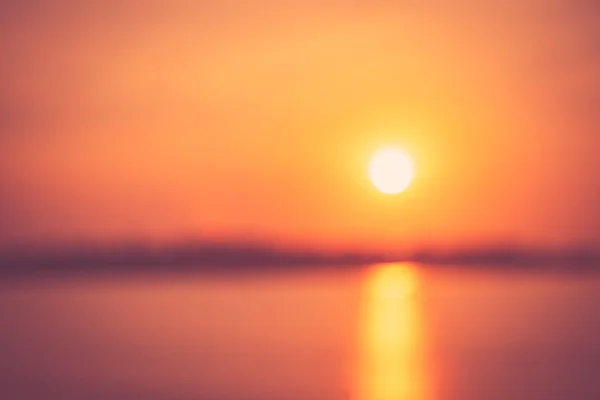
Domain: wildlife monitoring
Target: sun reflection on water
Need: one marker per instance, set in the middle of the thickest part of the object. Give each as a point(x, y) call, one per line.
point(391, 361)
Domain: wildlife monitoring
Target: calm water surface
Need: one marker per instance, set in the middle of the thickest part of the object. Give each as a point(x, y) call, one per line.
point(387, 332)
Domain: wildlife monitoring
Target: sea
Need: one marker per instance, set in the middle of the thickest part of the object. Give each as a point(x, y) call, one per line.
point(376, 332)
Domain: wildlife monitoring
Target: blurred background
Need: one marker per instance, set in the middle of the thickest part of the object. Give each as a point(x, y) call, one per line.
point(186, 210)
point(175, 120)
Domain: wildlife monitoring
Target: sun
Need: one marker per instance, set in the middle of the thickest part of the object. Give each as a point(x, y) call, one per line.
point(391, 170)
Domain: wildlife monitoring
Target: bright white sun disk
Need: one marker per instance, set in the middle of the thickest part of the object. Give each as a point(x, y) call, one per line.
point(391, 171)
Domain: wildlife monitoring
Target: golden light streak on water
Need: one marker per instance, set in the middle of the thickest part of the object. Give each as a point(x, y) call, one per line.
point(391, 358)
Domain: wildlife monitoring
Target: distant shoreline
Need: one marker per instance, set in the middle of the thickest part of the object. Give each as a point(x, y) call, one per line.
point(226, 257)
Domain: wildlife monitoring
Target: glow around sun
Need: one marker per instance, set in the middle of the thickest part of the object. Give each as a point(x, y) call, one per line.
point(391, 170)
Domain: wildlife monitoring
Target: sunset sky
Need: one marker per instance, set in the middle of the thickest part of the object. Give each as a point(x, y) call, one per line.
point(174, 120)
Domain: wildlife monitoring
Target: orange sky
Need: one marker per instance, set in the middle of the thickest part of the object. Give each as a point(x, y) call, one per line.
point(166, 120)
